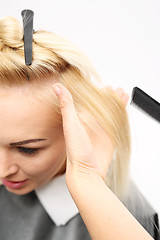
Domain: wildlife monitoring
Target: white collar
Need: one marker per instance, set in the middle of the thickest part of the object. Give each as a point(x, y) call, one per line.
point(57, 201)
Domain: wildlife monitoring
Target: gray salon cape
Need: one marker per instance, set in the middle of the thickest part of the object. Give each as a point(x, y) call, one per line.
point(24, 218)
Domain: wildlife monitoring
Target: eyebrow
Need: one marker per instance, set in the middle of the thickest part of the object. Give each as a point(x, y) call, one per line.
point(27, 141)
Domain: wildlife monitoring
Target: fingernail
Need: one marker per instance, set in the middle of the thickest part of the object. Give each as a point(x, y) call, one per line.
point(57, 90)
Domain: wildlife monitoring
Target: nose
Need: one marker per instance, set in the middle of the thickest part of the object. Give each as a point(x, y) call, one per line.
point(8, 166)
point(12, 170)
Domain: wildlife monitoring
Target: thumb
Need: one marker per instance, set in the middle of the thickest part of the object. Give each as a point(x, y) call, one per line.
point(74, 132)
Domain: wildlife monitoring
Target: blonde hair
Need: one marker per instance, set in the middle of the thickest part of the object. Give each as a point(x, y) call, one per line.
point(55, 56)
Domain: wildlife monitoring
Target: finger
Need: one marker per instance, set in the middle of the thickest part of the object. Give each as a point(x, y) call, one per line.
point(122, 95)
point(74, 132)
point(125, 99)
point(119, 92)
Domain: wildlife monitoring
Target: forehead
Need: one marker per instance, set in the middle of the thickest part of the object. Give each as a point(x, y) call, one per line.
point(23, 115)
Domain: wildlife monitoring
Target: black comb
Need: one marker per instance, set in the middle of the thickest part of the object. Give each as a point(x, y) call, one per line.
point(146, 103)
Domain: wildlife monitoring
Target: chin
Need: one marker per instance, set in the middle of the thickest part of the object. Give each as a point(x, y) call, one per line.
point(20, 191)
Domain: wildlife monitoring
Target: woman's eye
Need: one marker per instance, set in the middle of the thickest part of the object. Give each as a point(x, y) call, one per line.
point(29, 151)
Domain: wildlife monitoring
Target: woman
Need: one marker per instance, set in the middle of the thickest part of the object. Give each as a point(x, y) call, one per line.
point(41, 133)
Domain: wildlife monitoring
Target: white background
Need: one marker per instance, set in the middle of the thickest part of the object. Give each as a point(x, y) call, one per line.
point(122, 38)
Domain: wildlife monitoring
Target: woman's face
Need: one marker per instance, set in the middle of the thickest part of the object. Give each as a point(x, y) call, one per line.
point(32, 146)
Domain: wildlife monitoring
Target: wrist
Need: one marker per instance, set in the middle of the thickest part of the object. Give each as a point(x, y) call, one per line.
point(79, 181)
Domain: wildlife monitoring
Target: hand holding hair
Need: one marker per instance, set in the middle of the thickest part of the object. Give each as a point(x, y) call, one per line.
point(86, 151)
point(104, 215)
point(84, 148)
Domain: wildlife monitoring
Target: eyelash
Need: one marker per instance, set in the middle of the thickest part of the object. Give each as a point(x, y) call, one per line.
point(28, 151)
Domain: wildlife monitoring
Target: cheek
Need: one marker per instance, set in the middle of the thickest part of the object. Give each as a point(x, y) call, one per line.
point(48, 163)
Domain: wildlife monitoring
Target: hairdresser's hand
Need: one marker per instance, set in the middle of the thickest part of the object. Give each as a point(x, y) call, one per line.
point(88, 154)
point(124, 97)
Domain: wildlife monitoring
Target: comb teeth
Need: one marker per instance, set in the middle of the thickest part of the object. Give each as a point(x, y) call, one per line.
point(146, 103)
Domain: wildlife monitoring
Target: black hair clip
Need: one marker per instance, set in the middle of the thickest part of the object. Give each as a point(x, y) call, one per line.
point(27, 16)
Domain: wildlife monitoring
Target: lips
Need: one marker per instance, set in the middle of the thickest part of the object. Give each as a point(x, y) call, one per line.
point(13, 184)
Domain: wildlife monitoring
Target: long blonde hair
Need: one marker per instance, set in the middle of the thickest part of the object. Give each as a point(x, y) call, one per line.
point(53, 55)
